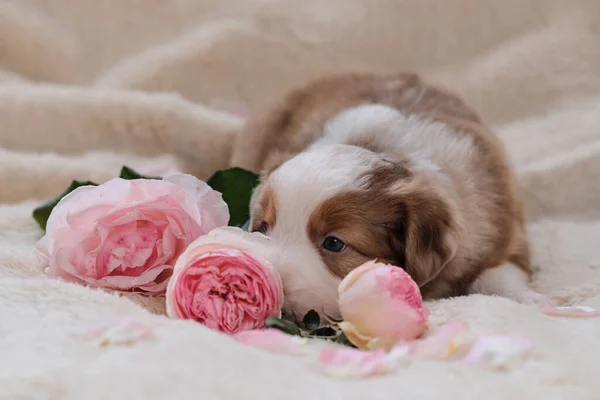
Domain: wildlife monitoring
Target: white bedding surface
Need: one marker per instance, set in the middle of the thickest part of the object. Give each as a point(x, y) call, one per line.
point(86, 86)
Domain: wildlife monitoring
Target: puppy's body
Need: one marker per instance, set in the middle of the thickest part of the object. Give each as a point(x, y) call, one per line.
point(395, 170)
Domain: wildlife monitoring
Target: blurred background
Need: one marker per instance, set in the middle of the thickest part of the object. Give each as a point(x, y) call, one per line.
point(151, 76)
point(87, 86)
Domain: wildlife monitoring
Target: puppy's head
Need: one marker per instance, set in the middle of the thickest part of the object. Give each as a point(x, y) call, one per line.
point(334, 207)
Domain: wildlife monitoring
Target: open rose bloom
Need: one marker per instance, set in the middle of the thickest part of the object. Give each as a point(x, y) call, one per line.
point(127, 234)
point(226, 281)
point(381, 305)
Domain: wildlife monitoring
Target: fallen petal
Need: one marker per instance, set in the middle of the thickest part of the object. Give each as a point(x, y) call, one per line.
point(348, 363)
point(121, 331)
point(273, 340)
point(575, 312)
point(498, 351)
point(443, 343)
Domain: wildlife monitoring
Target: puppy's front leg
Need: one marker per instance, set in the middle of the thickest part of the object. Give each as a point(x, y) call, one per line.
point(507, 280)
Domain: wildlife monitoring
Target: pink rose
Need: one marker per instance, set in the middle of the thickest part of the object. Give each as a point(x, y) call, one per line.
point(381, 305)
point(127, 234)
point(226, 281)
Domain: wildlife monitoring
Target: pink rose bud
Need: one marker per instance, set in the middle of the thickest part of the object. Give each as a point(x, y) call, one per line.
point(225, 280)
point(127, 234)
point(381, 305)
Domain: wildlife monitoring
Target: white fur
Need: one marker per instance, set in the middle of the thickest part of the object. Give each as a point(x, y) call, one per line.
point(300, 185)
point(429, 145)
point(506, 280)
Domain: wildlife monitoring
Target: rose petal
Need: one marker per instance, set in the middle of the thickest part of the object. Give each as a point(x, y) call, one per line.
point(273, 340)
point(575, 311)
point(382, 302)
point(236, 238)
point(387, 319)
point(120, 331)
point(147, 281)
point(348, 363)
point(443, 343)
point(353, 276)
point(57, 219)
point(214, 210)
point(498, 351)
point(59, 214)
point(356, 338)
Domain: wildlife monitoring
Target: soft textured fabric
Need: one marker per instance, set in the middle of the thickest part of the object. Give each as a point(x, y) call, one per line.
point(87, 85)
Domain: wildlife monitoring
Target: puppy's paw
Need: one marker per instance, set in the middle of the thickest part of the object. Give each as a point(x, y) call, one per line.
point(508, 281)
point(528, 297)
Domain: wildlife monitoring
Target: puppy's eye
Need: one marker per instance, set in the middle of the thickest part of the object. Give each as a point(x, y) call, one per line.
point(333, 244)
point(263, 227)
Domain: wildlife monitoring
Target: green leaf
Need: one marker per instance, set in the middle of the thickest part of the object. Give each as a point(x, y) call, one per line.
point(236, 185)
point(129, 174)
point(326, 331)
point(289, 316)
point(343, 340)
point(42, 213)
point(311, 320)
point(285, 326)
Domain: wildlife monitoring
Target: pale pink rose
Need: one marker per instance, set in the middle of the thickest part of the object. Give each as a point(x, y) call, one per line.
point(226, 281)
point(127, 234)
point(273, 340)
point(380, 305)
point(574, 311)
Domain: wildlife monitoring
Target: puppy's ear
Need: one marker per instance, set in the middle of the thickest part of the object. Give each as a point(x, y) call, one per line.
point(255, 201)
point(263, 212)
point(426, 233)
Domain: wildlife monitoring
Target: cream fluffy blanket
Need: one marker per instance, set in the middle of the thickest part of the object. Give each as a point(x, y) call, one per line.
point(86, 86)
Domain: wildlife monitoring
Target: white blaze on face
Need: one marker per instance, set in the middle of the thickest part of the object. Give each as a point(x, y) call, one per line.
point(299, 186)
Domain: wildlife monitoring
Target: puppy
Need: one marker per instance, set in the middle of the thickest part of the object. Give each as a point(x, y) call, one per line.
point(363, 167)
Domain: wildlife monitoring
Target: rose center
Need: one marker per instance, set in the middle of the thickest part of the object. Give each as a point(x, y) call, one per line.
point(222, 291)
point(128, 247)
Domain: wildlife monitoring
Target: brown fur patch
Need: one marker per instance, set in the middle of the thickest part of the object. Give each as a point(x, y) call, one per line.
point(265, 216)
point(411, 227)
point(360, 223)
